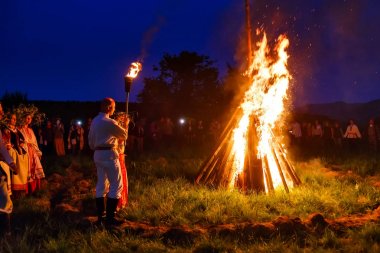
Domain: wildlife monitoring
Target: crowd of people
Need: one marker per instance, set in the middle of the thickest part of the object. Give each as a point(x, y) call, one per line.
point(25, 146)
point(56, 138)
point(22, 173)
point(108, 135)
point(165, 133)
point(325, 136)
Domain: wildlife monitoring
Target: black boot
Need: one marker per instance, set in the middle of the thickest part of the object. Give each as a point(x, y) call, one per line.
point(110, 213)
point(99, 209)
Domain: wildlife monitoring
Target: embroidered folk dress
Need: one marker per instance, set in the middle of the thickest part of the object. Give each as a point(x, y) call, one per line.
point(123, 201)
point(35, 170)
point(20, 157)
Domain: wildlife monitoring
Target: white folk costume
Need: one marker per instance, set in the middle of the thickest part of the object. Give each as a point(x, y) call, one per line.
point(352, 132)
point(103, 137)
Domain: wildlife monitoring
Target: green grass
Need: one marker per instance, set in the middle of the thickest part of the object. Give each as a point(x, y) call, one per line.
point(162, 192)
point(168, 199)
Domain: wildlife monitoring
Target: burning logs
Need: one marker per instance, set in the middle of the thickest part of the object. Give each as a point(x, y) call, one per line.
point(258, 175)
point(249, 156)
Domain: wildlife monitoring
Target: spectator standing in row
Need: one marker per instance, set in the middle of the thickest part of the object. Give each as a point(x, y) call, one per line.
point(352, 136)
point(75, 138)
point(86, 130)
point(214, 130)
point(327, 137)
point(190, 132)
point(59, 131)
point(337, 135)
point(296, 133)
point(154, 131)
point(140, 136)
point(317, 135)
point(167, 131)
point(373, 135)
point(200, 132)
point(48, 138)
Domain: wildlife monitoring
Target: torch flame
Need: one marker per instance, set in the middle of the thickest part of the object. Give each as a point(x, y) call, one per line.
point(265, 100)
point(134, 70)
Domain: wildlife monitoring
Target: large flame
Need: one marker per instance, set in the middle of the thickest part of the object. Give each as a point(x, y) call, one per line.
point(265, 101)
point(134, 70)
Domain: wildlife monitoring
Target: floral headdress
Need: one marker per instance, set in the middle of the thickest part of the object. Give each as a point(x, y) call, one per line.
point(22, 111)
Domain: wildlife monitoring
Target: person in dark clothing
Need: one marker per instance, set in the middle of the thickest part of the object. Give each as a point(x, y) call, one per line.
point(48, 138)
point(373, 136)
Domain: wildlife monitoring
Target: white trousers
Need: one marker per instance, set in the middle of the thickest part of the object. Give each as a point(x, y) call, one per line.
point(108, 167)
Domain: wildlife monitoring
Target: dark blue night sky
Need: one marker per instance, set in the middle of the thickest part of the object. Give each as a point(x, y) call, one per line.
point(81, 49)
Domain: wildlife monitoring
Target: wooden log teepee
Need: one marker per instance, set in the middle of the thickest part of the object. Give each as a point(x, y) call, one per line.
point(258, 174)
point(217, 170)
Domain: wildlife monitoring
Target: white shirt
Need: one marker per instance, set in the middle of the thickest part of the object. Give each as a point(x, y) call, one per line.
point(352, 132)
point(105, 132)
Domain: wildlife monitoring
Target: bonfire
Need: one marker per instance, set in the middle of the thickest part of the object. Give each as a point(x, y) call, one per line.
point(249, 154)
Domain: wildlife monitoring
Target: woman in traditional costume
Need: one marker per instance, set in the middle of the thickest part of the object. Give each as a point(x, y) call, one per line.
point(59, 144)
point(35, 172)
point(16, 146)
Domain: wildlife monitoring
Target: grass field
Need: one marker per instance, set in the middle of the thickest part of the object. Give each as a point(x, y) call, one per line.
point(163, 195)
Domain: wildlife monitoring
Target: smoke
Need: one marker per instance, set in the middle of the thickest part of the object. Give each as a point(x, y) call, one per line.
point(161, 20)
point(149, 36)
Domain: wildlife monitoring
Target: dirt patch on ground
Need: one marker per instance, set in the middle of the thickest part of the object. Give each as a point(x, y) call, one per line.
point(284, 227)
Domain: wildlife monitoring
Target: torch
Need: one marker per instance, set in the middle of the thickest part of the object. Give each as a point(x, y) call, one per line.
point(134, 69)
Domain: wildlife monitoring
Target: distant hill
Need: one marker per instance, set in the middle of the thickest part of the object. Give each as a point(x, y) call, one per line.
point(360, 112)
